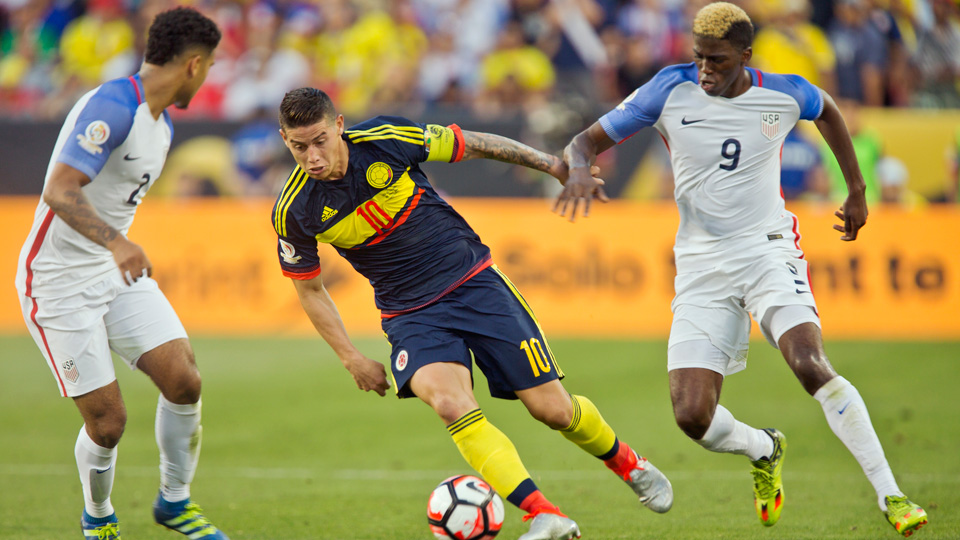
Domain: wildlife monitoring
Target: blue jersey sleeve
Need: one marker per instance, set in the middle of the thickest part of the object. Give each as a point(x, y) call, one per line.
point(102, 125)
point(642, 108)
point(807, 96)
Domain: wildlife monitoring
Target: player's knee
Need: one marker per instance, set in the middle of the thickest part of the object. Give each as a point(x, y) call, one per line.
point(107, 430)
point(554, 418)
point(451, 406)
point(813, 370)
point(692, 421)
point(185, 388)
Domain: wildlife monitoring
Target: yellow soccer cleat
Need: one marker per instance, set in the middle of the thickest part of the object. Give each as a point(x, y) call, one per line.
point(905, 515)
point(768, 481)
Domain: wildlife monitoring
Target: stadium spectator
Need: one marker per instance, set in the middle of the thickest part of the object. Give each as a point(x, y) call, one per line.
point(272, 63)
point(28, 54)
point(937, 59)
point(896, 75)
point(893, 177)
point(861, 54)
point(791, 44)
point(868, 147)
point(516, 74)
point(98, 45)
point(801, 169)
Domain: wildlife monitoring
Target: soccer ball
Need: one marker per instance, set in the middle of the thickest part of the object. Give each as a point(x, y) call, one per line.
point(464, 508)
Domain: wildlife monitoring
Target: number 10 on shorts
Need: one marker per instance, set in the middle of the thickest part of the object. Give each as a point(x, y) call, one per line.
point(537, 356)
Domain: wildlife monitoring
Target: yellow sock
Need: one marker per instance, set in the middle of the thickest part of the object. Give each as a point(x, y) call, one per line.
point(589, 430)
point(489, 452)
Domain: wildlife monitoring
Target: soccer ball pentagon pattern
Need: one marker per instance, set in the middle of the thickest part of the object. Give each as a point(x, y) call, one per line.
point(464, 508)
point(379, 174)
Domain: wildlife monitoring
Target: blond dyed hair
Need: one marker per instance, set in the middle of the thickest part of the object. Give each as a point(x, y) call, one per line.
point(723, 20)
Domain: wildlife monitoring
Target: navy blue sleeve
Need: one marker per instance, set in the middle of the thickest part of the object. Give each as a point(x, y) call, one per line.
point(807, 96)
point(642, 108)
point(102, 125)
point(401, 139)
point(296, 248)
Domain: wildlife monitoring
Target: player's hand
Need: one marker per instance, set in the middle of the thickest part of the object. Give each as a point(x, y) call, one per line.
point(578, 187)
point(560, 170)
point(853, 214)
point(131, 260)
point(368, 374)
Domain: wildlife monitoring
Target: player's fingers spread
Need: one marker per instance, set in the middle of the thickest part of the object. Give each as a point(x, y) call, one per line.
point(601, 195)
point(838, 228)
point(560, 198)
point(839, 214)
point(573, 211)
point(594, 171)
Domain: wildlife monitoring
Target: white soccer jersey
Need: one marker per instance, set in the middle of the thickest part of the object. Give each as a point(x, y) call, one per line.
point(111, 137)
point(725, 154)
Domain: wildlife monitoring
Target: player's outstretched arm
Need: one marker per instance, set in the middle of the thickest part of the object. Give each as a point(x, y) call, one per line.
point(853, 213)
point(65, 197)
point(579, 156)
point(489, 146)
point(368, 374)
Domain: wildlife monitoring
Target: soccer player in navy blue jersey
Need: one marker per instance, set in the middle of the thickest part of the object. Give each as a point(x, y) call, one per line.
point(738, 248)
point(361, 190)
point(85, 289)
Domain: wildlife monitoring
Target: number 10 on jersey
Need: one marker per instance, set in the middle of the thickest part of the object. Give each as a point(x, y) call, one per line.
point(537, 356)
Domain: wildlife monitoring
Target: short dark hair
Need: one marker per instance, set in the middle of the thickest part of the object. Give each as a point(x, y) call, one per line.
point(176, 30)
point(304, 107)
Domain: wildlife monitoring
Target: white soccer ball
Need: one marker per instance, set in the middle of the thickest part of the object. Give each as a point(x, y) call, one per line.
point(464, 508)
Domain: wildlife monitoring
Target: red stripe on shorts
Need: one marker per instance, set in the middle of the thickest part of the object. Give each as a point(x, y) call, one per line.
point(34, 249)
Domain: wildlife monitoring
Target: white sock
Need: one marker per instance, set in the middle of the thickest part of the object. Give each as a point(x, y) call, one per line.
point(96, 466)
point(729, 435)
point(178, 433)
point(848, 418)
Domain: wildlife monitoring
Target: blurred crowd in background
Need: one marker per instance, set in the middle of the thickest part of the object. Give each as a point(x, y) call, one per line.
point(546, 61)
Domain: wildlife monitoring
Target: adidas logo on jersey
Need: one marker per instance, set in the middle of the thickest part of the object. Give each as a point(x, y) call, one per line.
point(328, 213)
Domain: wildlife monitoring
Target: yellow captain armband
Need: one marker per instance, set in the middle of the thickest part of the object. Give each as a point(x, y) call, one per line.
point(443, 143)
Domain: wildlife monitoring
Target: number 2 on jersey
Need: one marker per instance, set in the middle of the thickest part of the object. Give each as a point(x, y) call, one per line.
point(733, 156)
point(537, 356)
point(135, 197)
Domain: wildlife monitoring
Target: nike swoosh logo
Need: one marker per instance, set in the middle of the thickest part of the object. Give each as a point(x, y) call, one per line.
point(103, 471)
point(801, 292)
point(128, 158)
point(686, 122)
point(844, 408)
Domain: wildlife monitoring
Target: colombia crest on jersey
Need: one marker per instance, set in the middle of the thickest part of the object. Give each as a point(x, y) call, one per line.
point(383, 216)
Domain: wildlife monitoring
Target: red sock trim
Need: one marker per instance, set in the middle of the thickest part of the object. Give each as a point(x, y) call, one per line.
point(536, 503)
point(623, 462)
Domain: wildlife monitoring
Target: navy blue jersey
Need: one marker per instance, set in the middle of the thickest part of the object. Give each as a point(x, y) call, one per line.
point(383, 216)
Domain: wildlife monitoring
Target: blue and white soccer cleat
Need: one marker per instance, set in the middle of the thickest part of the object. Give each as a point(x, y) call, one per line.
point(106, 528)
point(186, 518)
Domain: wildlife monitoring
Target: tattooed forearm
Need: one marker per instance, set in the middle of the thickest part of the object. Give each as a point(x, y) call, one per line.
point(73, 208)
point(489, 146)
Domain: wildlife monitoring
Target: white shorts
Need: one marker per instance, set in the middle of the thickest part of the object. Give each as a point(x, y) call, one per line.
point(76, 333)
point(716, 305)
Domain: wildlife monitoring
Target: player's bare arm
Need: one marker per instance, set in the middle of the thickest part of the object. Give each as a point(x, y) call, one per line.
point(853, 213)
point(490, 146)
point(579, 156)
point(368, 374)
point(64, 195)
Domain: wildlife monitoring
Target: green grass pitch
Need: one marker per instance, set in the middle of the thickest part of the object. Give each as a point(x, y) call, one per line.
point(292, 450)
